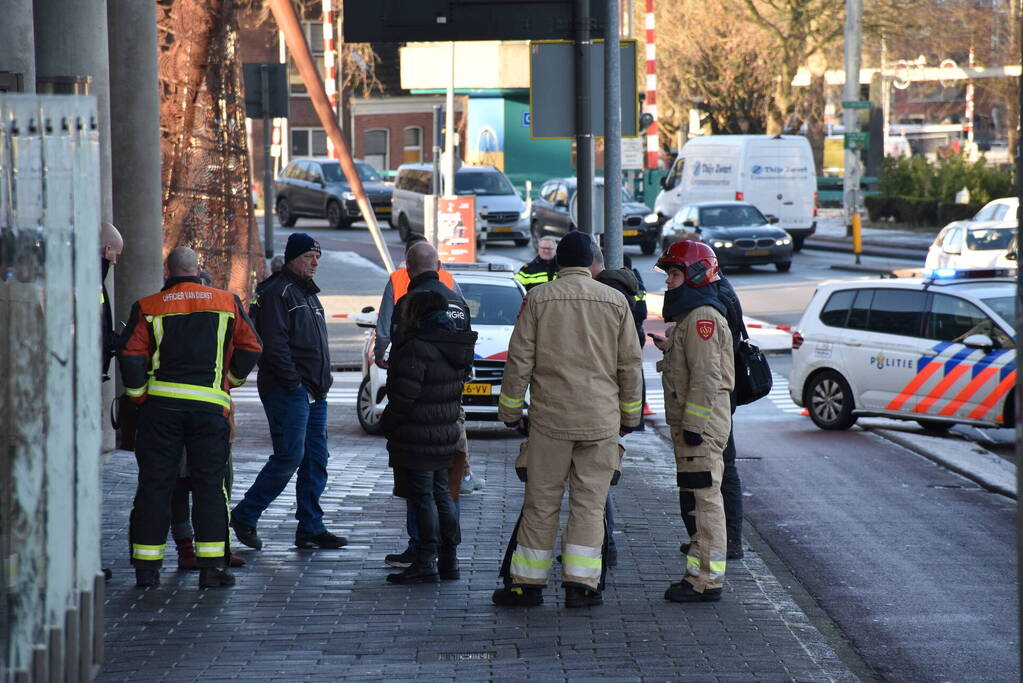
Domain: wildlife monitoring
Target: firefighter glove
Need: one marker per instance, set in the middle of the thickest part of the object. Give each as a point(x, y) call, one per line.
point(692, 438)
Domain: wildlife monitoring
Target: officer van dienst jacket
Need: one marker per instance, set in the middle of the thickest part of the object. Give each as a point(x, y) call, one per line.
point(575, 347)
point(698, 373)
point(296, 350)
point(187, 345)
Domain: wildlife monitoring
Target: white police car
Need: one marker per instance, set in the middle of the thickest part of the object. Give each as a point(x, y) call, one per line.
point(938, 350)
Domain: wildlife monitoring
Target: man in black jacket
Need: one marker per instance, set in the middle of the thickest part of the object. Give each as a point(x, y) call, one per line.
point(294, 378)
point(541, 269)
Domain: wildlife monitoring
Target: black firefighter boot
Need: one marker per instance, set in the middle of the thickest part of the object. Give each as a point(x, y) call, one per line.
point(447, 563)
point(422, 570)
point(215, 577)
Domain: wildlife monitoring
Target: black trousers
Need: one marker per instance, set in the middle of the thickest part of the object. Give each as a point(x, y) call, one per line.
point(731, 494)
point(162, 433)
point(435, 513)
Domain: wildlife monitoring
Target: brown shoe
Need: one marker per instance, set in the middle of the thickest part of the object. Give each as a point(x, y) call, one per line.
point(235, 561)
point(186, 555)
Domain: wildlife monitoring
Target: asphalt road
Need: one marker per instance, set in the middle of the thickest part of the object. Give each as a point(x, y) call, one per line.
point(911, 564)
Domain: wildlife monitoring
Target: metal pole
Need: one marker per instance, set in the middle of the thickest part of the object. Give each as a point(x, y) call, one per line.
point(612, 139)
point(287, 20)
point(1018, 7)
point(268, 222)
point(850, 117)
point(583, 120)
point(449, 128)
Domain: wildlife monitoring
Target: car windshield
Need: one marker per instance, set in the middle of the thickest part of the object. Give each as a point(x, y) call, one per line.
point(1005, 307)
point(482, 183)
point(367, 174)
point(728, 216)
point(492, 304)
point(989, 239)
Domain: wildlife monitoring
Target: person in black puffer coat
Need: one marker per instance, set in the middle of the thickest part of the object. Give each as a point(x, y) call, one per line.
point(426, 372)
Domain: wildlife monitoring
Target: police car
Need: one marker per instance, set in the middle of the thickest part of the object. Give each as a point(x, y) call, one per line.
point(939, 350)
point(494, 299)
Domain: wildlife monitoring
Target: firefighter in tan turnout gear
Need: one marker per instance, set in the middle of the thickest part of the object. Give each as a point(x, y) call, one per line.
point(697, 373)
point(575, 347)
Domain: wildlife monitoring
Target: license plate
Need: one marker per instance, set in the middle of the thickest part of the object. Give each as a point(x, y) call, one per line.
point(476, 389)
point(382, 209)
point(501, 229)
point(630, 233)
point(758, 252)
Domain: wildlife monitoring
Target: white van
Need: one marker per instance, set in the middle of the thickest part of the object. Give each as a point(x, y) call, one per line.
point(774, 173)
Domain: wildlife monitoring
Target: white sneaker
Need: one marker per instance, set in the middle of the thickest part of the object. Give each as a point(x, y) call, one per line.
point(471, 482)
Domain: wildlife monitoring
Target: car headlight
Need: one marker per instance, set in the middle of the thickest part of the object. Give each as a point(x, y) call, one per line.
point(348, 196)
point(718, 244)
point(651, 218)
point(782, 242)
point(524, 213)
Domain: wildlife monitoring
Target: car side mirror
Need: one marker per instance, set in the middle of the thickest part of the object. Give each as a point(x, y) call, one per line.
point(978, 341)
point(319, 181)
point(689, 223)
point(664, 182)
point(368, 309)
point(771, 220)
point(1011, 255)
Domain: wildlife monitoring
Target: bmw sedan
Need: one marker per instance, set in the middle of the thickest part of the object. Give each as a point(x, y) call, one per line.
point(316, 188)
point(737, 232)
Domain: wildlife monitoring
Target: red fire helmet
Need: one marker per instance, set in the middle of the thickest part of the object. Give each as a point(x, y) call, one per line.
point(697, 261)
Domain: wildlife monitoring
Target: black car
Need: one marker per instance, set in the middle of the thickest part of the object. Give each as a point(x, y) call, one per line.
point(737, 232)
point(316, 188)
point(551, 214)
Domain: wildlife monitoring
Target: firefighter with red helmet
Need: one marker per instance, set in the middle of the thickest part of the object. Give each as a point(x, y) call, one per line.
point(698, 374)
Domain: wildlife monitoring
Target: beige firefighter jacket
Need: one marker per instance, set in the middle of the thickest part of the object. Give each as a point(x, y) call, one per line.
point(698, 373)
point(575, 347)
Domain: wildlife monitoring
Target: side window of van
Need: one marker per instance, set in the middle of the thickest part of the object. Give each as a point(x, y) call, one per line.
point(402, 181)
point(952, 318)
point(836, 309)
point(675, 174)
point(860, 310)
point(897, 311)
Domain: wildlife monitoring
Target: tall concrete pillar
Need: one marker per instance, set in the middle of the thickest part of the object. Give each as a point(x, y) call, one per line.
point(135, 150)
point(17, 43)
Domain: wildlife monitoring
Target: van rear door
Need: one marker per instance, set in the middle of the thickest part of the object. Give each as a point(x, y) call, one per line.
point(782, 180)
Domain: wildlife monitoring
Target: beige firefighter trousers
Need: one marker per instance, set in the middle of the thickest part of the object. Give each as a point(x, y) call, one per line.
point(699, 474)
point(588, 466)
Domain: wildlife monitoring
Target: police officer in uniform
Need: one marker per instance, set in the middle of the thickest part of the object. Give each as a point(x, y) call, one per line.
point(698, 377)
point(541, 269)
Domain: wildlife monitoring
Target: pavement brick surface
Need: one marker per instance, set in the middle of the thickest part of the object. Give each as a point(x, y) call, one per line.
point(329, 614)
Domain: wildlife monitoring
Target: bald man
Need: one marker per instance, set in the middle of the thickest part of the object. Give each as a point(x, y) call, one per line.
point(206, 345)
point(110, 246)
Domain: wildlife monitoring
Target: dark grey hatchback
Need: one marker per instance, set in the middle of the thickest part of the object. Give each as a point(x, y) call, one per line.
point(316, 188)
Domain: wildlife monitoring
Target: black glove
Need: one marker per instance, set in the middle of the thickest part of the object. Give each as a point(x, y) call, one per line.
point(623, 430)
point(520, 472)
point(615, 477)
point(512, 425)
point(692, 438)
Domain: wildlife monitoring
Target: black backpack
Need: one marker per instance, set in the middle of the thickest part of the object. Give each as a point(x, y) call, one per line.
point(752, 371)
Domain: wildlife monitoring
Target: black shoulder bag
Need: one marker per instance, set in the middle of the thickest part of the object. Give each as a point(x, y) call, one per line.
point(752, 372)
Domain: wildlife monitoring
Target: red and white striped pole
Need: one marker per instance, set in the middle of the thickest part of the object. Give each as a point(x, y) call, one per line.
point(330, 77)
point(653, 143)
point(968, 124)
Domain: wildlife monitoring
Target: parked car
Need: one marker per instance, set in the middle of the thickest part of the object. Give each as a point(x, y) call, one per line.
point(552, 214)
point(775, 173)
point(939, 351)
point(316, 188)
point(501, 213)
point(494, 299)
point(737, 232)
point(980, 242)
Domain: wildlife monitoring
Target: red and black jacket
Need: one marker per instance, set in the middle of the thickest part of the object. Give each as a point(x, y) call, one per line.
point(188, 343)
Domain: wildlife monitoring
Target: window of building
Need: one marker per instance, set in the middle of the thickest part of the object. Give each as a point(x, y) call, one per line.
point(374, 148)
point(413, 151)
point(308, 142)
point(314, 36)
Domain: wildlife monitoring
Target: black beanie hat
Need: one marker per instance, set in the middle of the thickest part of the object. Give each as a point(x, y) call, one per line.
point(298, 244)
point(575, 249)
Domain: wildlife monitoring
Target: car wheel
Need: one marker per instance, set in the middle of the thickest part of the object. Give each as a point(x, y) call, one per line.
point(829, 400)
point(403, 228)
point(648, 247)
point(335, 217)
point(536, 234)
point(797, 243)
point(284, 214)
point(783, 266)
point(935, 427)
point(365, 408)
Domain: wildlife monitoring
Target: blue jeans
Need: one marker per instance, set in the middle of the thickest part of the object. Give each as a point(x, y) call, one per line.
point(412, 519)
point(299, 432)
point(435, 512)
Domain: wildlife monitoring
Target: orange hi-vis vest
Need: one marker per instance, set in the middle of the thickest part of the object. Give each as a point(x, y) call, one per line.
point(400, 282)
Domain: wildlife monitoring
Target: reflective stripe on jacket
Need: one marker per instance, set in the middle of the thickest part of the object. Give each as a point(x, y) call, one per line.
point(698, 373)
point(189, 343)
point(536, 272)
point(575, 347)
